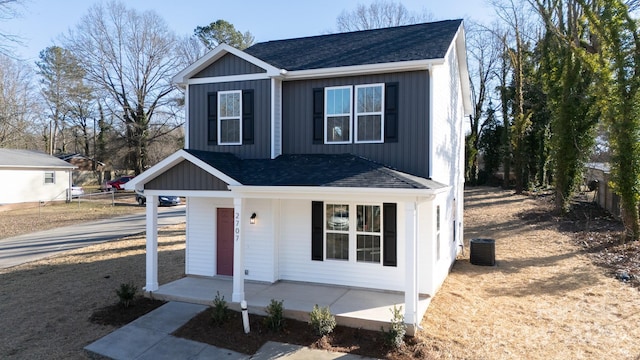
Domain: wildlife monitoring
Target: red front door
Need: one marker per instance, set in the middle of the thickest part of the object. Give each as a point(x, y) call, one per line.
point(225, 241)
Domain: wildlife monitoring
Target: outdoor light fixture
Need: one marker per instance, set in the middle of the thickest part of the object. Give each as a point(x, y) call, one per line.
point(252, 220)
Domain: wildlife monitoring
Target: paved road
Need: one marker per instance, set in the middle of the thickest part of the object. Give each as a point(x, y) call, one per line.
point(29, 247)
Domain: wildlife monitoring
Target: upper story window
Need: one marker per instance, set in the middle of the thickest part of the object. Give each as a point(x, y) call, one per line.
point(338, 115)
point(230, 117)
point(358, 114)
point(369, 118)
point(49, 177)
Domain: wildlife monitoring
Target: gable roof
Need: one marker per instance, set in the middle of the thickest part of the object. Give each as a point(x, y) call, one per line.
point(401, 48)
point(394, 44)
point(29, 159)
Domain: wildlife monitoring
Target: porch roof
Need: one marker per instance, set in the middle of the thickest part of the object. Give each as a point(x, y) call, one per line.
point(313, 170)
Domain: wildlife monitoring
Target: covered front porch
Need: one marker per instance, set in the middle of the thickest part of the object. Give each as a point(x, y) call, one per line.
point(353, 307)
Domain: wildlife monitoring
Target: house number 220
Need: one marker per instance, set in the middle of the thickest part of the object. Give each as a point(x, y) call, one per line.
point(236, 228)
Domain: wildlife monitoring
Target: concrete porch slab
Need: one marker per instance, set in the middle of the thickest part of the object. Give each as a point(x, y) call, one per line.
point(361, 308)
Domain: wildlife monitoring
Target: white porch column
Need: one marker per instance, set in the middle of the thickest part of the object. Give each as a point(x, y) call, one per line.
point(238, 251)
point(411, 273)
point(152, 243)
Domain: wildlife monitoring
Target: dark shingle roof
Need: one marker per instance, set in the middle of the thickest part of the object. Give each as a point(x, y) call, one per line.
point(403, 43)
point(322, 170)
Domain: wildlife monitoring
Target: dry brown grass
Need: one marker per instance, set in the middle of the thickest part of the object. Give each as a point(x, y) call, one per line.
point(543, 300)
point(45, 305)
point(25, 218)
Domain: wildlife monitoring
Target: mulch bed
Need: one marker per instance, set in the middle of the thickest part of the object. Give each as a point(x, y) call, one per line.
point(230, 335)
point(117, 315)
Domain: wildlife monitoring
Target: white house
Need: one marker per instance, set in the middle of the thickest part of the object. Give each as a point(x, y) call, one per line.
point(31, 176)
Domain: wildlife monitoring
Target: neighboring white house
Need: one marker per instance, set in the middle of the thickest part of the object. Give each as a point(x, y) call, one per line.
point(31, 176)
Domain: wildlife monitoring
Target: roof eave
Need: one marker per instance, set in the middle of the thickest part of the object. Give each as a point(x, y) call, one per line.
point(401, 66)
point(254, 191)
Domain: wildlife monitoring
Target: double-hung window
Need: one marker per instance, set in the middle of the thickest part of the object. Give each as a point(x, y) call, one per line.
point(230, 117)
point(49, 177)
point(337, 129)
point(369, 119)
point(337, 231)
point(366, 235)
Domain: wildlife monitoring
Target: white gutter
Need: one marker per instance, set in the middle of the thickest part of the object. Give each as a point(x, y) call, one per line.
point(342, 192)
point(413, 65)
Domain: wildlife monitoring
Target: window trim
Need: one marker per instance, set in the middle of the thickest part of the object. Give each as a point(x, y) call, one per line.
point(350, 114)
point(221, 118)
point(353, 232)
point(357, 114)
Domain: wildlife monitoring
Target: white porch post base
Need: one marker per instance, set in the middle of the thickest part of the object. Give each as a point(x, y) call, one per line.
point(238, 251)
point(152, 244)
point(411, 276)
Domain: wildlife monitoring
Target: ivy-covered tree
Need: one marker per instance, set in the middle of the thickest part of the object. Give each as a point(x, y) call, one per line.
point(618, 67)
point(569, 82)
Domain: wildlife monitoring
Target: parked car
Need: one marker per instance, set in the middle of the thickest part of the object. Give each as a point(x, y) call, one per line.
point(76, 191)
point(118, 183)
point(163, 200)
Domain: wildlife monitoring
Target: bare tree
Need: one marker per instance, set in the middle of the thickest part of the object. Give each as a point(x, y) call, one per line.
point(131, 56)
point(483, 53)
point(379, 14)
point(9, 9)
point(18, 105)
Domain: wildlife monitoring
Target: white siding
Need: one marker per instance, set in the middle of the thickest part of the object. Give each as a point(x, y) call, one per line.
point(17, 186)
point(259, 241)
point(294, 253)
point(448, 153)
point(201, 232)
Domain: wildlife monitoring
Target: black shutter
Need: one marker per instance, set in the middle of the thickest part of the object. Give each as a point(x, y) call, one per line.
point(212, 118)
point(389, 241)
point(318, 116)
point(391, 112)
point(247, 117)
point(317, 221)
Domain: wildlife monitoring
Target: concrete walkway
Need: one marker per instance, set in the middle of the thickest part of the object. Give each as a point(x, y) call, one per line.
point(149, 337)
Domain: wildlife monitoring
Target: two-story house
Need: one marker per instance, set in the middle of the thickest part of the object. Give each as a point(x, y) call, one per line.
point(333, 159)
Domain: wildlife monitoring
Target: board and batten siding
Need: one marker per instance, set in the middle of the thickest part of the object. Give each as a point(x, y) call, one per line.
point(186, 176)
point(294, 255)
point(228, 65)
point(409, 154)
point(261, 148)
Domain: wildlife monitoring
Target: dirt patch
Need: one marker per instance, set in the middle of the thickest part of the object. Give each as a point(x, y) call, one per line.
point(230, 335)
point(118, 315)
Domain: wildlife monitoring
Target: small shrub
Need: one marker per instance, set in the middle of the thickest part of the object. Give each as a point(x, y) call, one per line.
point(126, 293)
point(275, 315)
point(321, 320)
point(394, 338)
point(219, 310)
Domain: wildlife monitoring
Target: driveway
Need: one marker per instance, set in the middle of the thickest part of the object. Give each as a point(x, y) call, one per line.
point(29, 247)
